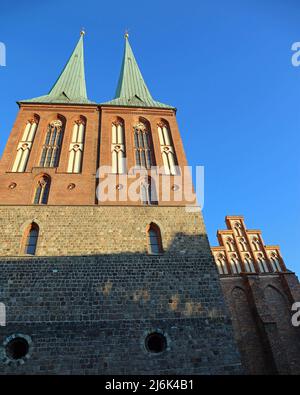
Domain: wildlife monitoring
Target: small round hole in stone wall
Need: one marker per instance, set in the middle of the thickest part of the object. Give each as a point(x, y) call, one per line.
point(17, 348)
point(156, 342)
point(12, 185)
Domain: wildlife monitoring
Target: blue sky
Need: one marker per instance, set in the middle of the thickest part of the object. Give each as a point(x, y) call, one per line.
point(226, 66)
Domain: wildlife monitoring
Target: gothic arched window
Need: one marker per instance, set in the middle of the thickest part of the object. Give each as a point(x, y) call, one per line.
point(237, 228)
point(52, 146)
point(76, 146)
point(118, 147)
point(143, 147)
point(249, 264)
point(243, 244)
point(167, 149)
point(42, 190)
point(235, 264)
point(25, 145)
point(148, 192)
point(154, 239)
point(31, 239)
point(262, 264)
point(230, 244)
point(256, 244)
point(221, 264)
point(275, 262)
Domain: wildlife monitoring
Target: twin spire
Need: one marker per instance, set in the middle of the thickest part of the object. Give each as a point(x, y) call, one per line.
point(70, 87)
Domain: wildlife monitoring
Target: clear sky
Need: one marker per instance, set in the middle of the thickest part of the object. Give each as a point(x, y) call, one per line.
point(226, 66)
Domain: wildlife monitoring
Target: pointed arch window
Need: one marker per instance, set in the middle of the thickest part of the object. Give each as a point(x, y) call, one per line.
point(31, 239)
point(52, 147)
point(42, 190)
point(235, 265)
point(237, 228)
point(76, 146)
point(230, 244)
point(262, 264)
point(256, 243)
point(167, 149)
point(118, 147)
point(148, 192)
point(249, 264)
point(154, 239)
point(275, 262)
point(221, 264)
point(243, 244)
point(143, 147)
point(25, 145)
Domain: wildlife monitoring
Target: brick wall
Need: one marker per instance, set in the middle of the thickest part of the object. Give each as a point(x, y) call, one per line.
point(260, 308)
point(26, 182)
point(96, 154)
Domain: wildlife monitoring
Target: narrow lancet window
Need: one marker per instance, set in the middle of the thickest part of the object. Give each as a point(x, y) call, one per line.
point(249, 266)
point(154, 239)
point(31, 239)
point(275, 262)
point(76, 146)
point(118, 147)
point(262, 264)
point(235, 265)
point(148, 192)
point(221, 264)
point(42, 190)
point(25, 145)
point(167, 149)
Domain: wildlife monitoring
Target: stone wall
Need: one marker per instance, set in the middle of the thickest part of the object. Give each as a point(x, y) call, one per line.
point(84, 230)
point(89, 305)
point(92, 315)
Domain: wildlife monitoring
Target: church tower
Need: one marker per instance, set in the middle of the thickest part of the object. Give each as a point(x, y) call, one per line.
point(48, 151)
point(105, 265)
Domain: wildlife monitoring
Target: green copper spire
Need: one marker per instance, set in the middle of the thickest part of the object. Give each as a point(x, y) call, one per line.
point(132, 89)
point(70, 86)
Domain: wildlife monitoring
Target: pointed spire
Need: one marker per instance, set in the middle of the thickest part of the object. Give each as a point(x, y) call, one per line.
point(132, 89)
point(70, 86)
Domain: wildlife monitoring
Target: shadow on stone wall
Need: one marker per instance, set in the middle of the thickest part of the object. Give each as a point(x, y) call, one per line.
point(91, 314)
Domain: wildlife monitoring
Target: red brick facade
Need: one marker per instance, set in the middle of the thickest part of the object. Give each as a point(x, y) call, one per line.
point(259, 294)
point(18, 187)
point(23, 193)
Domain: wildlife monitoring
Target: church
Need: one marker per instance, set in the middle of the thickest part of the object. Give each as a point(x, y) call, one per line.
point(105, 264)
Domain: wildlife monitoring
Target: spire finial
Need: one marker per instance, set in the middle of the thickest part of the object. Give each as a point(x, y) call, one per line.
point(126, 35)
point(82, 32)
